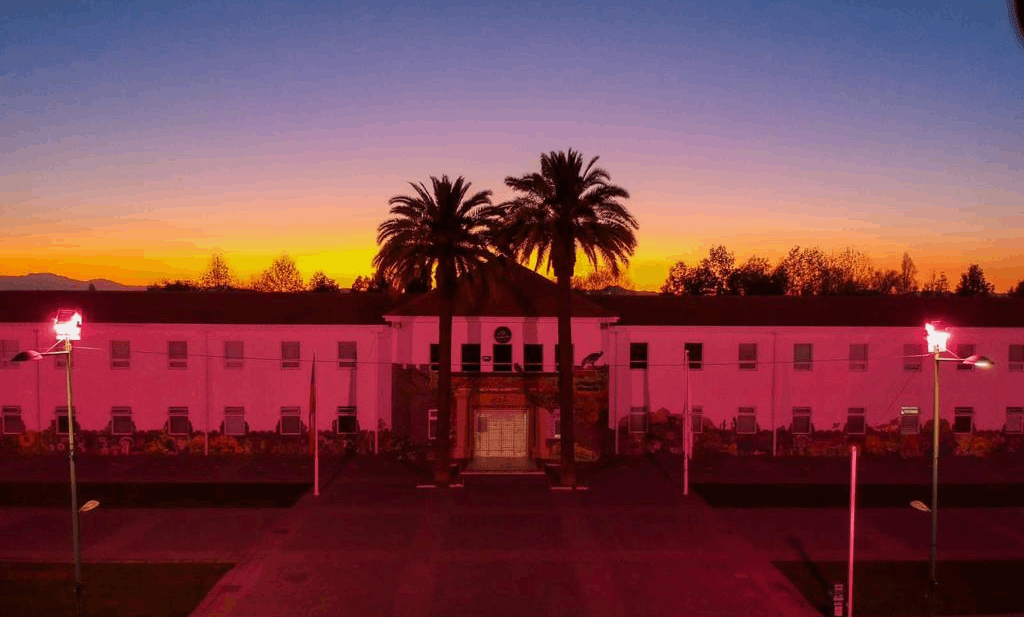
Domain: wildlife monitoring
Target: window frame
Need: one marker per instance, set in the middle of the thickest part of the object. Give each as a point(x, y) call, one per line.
point(801, 414)
point(1019, 413)
point(535, 365)
point(8, 348)
point(234, 413)
point(856, 412)
point(800, 364)
point(435, 357)
point(747, 364)
point(120, 413)
point(913, 357)
point(639, 355)
point(638, 412)
point(287, 360)
point(959, 414)
point(348, 354)
point(858, 364)
point(906, 414)
point(61, 411)
point(467, 365)
point(431, 425)
point(502, 366)
point(289, 412)
point(178, 412)
point(175, 358)
point(1015, 361)
point(971, 349)
point(234, 362)
point(696, 360)
point(13, 414)
point(119, 360)
point(696, 419)
point(746, 412)
point(346, 412)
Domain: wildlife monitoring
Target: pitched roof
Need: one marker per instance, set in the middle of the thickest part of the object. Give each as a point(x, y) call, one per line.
point(196, 307)
point(867, 311)
point(515, 291)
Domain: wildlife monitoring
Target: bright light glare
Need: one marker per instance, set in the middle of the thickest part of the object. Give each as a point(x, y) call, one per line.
point(68, 325)
point(937, 339)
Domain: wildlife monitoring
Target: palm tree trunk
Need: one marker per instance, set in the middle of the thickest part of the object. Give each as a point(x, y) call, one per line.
point(442, 472)
point(565, 381)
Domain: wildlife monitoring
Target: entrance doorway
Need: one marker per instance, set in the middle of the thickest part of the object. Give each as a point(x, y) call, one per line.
point(501, 434)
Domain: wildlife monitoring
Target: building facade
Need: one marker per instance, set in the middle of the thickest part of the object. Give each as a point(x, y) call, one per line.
point(199, 366)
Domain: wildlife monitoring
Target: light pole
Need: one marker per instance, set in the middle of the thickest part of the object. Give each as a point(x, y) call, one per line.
point(68, 327)
point(938, 335)
point(686, 424)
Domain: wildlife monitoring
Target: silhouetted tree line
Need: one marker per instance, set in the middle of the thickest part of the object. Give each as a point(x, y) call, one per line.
point(810, 271)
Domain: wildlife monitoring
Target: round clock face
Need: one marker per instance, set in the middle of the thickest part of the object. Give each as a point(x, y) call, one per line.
point(502, 334)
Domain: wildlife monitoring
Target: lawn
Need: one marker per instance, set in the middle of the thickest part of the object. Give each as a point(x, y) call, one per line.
point(900, 587)
point(155, 494)
point(868, 495)
point(109, 589)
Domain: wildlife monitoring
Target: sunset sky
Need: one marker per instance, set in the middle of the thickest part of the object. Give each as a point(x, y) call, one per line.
point(138, 140)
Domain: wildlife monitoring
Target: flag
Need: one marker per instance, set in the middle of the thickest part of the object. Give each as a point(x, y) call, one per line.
point(312, 408)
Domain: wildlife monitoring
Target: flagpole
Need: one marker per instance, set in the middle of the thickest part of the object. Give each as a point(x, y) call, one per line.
point(313, 430)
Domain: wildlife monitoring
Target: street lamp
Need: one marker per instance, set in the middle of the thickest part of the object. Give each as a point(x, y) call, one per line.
point(938, 335)
point(67, 326)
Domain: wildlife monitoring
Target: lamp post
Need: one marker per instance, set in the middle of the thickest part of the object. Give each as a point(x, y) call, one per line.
point(938, 335)
point(686, 425)
point(68, 327)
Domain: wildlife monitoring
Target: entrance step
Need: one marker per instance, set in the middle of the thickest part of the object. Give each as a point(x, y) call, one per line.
point(502, 466)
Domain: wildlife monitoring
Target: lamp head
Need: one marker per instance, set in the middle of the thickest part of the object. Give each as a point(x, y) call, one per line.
point(67, 325)
point(979, 361)
point(26, 356)
point(937, 335)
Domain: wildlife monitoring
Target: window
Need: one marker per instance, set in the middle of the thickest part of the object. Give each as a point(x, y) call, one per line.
point(858, 357)
point(637, 419)
point(556, 425)
point(435, 356)
point(291, 354)
point(856, 423)
point(502, 358)
point(696, 419)
point(748, 356)
point(1015, 420)
point(558, 357)
point(234, 354)
point(7, 350)
point(471, 357)
point(965, 351)
point(909, 421)
point(746, 421)
point(177, 421)
point(291, 422)
point(177, 354)
point(121, 421)
point(1016, 364)
point(11, 422)
point(234, 421)
point(533, 358)
point(913, 354)
point(638, 355)
point(347, 422)
point(346, 354)
point(963, 419)
point(803, 356)
point(61, 361)
point(801, 421)
point(695, 351)
point(120, 354)
point(432, 424)
point(62, 418)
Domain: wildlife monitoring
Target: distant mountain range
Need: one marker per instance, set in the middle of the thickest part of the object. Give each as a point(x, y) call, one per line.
point(45, 280)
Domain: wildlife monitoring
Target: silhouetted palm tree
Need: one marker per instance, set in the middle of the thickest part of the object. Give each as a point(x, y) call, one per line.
point(558, 211)
point(443, 232)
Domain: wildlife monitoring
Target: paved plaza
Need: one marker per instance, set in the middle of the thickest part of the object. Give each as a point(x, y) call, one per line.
point(374, 544)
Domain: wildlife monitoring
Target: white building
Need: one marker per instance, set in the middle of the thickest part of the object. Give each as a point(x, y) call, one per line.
point(194, 363)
